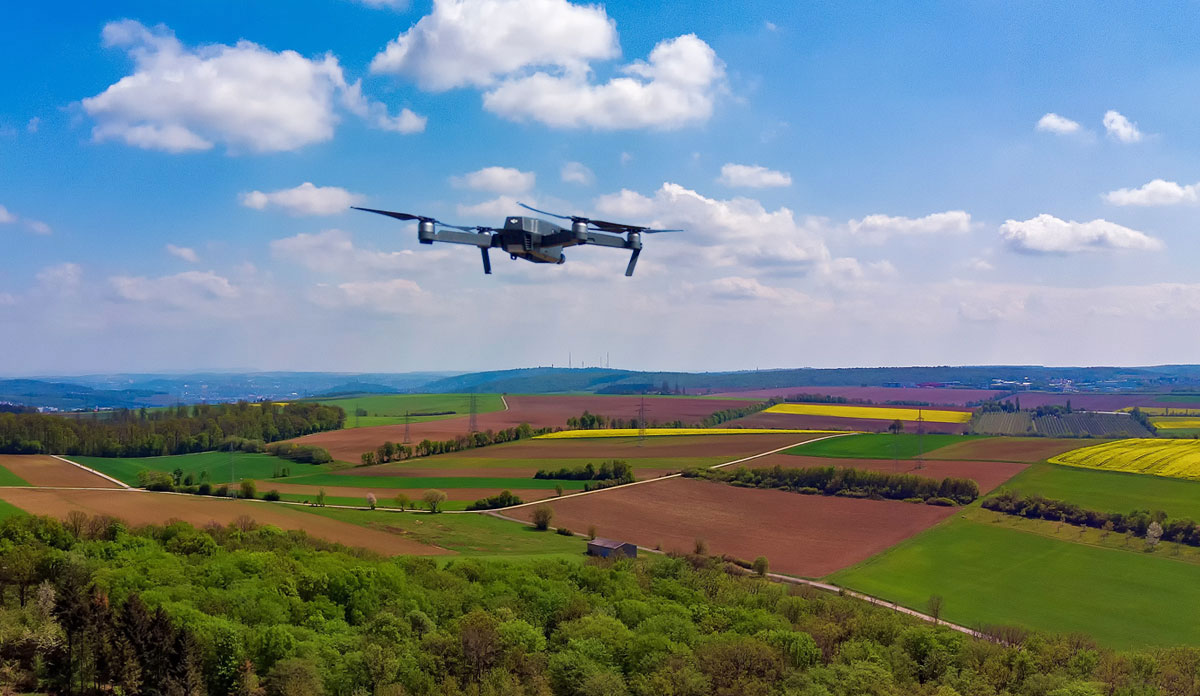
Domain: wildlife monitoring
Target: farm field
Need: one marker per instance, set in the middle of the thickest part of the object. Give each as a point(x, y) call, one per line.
point(940, 396)
point(1173, 458)
point(141, 507)
point(989, 475)
point(1173, 423)
point(427, 482)
point(990, 574)
point(389, 409)
point(1081, 424)
point(472, 535)
point(903, 413)
point(800, 534)
point(44, 470)
point(458, 500)
point(216, 464)
point(666, 432)
point(8, 510)
point(631, 448)
point(878, 445)
point(865, 425)
point(1110, 491)
point(1007, 449)
point(8, 478)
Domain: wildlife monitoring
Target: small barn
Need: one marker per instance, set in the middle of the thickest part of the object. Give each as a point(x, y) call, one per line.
point(607, 547)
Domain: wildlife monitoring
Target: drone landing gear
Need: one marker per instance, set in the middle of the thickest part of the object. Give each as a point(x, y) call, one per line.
point(632, 262)
point(487, 261)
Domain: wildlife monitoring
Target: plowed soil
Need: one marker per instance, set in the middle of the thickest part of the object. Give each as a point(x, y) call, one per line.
point(630, 450)
point(44, 470)
point(808, 535)
point(1010, 449)
point(988, 475)
point(391, 493)
point(880, 395)
point(869, 425)
point(141, 507)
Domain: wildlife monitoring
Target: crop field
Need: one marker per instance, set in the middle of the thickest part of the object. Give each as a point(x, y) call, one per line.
point(1173, 458)
point(389, 409)
point(1019, 423)
point(8, 478)
point(427, 482)
point(648, 451)
point(1110, 491)
point(990, 574)
point(862, 425)
point(878, 445)
point(458, 499)
point(1068, 425)
point(669, 432)
point(938, 396)
point(44, 470)
point(217, 465)
point(1172, 423)
point(902, 413)
point(1005, 449)
point(807, 535)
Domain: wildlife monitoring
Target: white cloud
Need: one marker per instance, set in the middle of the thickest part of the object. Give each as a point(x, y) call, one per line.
point(473, 42)
point(39, 227)
point(626, 158)
point(187, 290)
point(577, 173)
point(496, 180)
point(333, 251)
point(394, 296)
point(1157, 192)
point(979, 264)
point(498, 207)
point(61, 277)
point(1048, 234)
point(181, 99)
point(877, 228)
point(675, 87)
point(1121, 128)
point(5, 216)
point(186, 253)
point(305, 199)
point(1059, 125)
point(753, 176)
point(32, 125)
point(386, 4)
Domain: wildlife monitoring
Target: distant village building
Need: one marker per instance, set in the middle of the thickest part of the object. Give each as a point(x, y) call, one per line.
point(607, 547)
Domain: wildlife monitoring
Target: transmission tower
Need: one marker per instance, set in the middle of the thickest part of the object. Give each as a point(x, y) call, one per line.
point(473, 424)
point(406, 428)
point(642, 421)
point(920, 439)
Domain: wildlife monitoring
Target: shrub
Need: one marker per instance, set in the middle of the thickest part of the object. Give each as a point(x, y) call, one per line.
point(204, 489)
point(564, 531)
point(761, 566)
point(700, 548)
point(155, 480)
point(944, 502)
point(542, 515)
point(592, 532)
point(223, 490)
point(271, 495)
point(403, 502)
point(248, 490)
point(372, 501)
point(500, 500)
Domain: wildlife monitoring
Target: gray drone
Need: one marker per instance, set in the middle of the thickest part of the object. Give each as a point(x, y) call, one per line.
point(530, 238)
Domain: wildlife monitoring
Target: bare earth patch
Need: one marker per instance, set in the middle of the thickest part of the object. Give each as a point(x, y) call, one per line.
point(988, 475)
point(807, 535)
point(141, 507)
point(44, 470)
point(1010, 449)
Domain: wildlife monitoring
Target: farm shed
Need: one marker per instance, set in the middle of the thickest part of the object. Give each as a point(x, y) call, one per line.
point(607, 547)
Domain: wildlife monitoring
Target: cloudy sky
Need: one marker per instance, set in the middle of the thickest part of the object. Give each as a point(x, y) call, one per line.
point(913, 183)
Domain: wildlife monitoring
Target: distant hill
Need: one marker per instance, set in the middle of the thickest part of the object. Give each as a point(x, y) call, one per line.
point(352, 388)
point(69, 397)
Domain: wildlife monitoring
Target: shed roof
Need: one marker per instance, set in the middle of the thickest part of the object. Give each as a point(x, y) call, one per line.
point(609, 543)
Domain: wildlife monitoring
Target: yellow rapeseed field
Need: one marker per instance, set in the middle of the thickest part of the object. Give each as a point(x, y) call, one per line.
point(903, 413)
point(1173, 458)
point(1175, 423)
point(658, 432)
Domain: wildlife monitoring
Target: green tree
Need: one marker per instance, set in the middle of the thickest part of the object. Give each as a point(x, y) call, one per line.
point(433, 500)
point(542, 516)
point(402, 502)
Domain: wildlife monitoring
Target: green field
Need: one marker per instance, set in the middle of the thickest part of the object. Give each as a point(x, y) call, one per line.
point(1179, 398)
point(389, 409)
point(454, 461)
point(8, 510)
point(1110, 491)
point(473, 534)
point(8, 478)
point(877, 445)
point(989, 574)
point(336, 480)
point(217, 464)
point(383, 501)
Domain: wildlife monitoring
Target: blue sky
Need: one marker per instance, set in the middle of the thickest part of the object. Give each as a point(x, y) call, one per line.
point(914, 183)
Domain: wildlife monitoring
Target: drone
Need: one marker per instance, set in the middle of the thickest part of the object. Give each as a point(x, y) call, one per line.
point(530, 238)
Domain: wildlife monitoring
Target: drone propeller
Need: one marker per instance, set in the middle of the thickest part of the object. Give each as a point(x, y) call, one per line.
point(422, 218)
point(598, 224)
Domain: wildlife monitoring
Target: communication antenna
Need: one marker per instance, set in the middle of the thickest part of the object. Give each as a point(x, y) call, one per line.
point(472, 424)
point(406, 428)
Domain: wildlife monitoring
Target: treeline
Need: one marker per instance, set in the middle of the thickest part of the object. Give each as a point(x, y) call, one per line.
point(243, 609)
point(847, 482)
point(179, 430)
point(393, 452)
point(1150, 525)
point(828, 399)
point(502, 499)
point(595, 421)
point(616, 469)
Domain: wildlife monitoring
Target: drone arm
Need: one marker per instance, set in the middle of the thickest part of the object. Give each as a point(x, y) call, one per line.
point(607, 240)
point(482, 240)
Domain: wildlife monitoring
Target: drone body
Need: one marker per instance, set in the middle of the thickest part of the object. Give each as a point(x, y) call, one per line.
point(533, 239)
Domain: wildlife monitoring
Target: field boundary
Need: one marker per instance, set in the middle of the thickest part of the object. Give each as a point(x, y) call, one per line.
point(90, 470)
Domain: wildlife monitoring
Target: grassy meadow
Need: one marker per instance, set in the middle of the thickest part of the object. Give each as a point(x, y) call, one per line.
point(389, 409)
point(877, 445)
point(245, 466)
point(1110, 491)
point(8, 478)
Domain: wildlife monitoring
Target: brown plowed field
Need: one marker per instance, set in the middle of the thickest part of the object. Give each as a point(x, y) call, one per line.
point(988, 475)
point(140, 507)
point(869, 425)
point(44, 470)
point(880, 395)
point(526, 494)
point(1009, 449)
point(628, 448)
point(806, 535)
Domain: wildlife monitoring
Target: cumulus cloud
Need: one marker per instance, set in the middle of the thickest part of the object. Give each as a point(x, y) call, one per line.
point(473, 42)
point(675, 87)
point(752, 176)
point(1157, 192)
point(877, 228)
point(394, 296)
point(1121, 128)
point(1059, 125)
point(181, 99)
point(38, 227)
point(5, 216)
point(496, 180)
point(305, 199)
point(498, 207)
point(1048, 234)
point(186, 253)
point(334, 251)
point(187, 290)
point(577, 173)
point(61, 277)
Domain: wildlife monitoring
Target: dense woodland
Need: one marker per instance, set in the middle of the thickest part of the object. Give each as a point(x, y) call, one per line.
point(847, 482)
point(91, 607)
point(178, 430)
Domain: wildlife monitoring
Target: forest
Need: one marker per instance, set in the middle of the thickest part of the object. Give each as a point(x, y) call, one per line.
point(89, 606)
point(149, 433)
